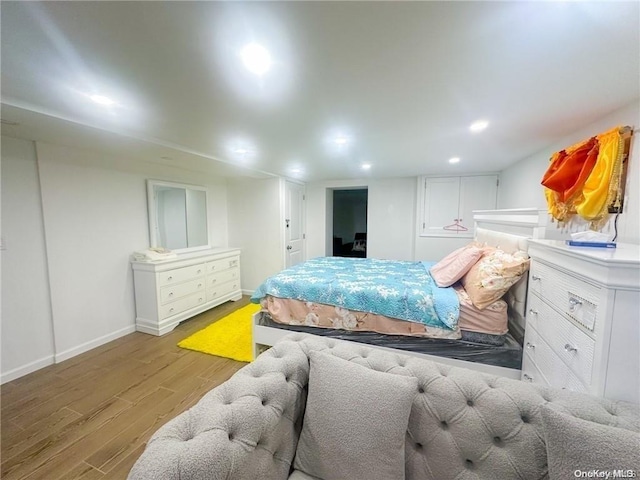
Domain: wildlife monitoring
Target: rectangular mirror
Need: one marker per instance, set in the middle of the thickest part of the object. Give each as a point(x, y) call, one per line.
point(177, 216)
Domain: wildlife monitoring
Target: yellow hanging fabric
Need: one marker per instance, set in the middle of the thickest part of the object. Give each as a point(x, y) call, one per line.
point(603, 184)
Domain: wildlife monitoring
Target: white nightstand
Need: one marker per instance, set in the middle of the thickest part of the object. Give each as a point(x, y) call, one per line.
point(583, 319)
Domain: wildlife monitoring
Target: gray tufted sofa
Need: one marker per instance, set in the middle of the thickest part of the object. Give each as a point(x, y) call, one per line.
point(462, 425)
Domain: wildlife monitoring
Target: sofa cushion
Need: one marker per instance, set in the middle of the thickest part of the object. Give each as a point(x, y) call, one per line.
point(355, 421)
point(577, 445)
point(298, 475)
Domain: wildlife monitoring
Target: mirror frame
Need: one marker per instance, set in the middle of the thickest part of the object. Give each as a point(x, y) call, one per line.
point(154, 239)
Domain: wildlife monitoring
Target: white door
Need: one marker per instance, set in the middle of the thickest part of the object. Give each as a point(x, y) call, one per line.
point(294, 225)
point(476, 193)
point(440, 207)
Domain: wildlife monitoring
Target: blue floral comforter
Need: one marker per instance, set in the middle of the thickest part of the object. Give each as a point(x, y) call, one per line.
point(396, 289)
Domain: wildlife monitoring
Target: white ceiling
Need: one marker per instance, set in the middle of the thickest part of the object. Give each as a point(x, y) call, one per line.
point(402, 80)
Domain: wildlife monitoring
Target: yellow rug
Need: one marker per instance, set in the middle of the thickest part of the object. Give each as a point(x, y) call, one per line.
point(229, 337)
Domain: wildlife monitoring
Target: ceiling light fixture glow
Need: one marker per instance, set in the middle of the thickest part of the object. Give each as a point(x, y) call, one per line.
point(366, 166)
point(241, 151)
point(454, 160)
point(478, 126)
point(102, 100)
point(341, 140)
point(256, 58)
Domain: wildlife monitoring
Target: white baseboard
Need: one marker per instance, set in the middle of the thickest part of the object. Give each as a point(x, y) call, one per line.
point(85, 347)
point(26, 369)
point(247, 292)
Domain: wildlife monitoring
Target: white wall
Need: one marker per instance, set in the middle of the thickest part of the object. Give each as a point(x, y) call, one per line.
point(93, 217)
point(255, 226)
point(27, 333)
point(392, 231)
point(520, 184)
point(392, 206)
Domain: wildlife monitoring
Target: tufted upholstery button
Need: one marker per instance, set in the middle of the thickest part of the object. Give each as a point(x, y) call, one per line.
point(497, 441)
point(470, 403)
point(230, 436)
point(263, 401)
point(419, 446)
point(524, 418)
point(420, 389)
point(468, 463)
point(444, 425)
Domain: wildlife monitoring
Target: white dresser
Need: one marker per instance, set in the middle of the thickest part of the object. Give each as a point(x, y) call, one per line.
point(583, 325)
point(170, 291)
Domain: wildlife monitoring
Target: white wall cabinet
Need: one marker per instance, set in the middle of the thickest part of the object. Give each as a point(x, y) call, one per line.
point(170, 291)
point(445, 201)
point(582, 329)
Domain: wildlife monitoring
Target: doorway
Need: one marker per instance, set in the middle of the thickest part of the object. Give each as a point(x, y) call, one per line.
point(350, 222)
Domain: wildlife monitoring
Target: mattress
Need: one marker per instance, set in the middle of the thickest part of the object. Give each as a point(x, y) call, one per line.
point(508, 355)
point(487, 326)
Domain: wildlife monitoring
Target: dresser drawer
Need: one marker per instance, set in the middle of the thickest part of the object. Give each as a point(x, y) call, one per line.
point(554, 369)
point(530, 372)
point(222, 264)
point(222, 289)
point(572, 345)
point(173, 292)
point(569, 295)
point(223, 277)
point(179, 275)
point(531, 339)
point(181, 305)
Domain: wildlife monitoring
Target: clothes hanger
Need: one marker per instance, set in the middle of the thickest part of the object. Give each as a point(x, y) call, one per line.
point(456, 226)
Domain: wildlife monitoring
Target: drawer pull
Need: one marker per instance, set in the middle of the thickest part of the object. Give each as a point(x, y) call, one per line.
point(171, 310)
point(200, 299)
point(570, 348)
point(535, 277)
point(170, 278)
point(530, 345)
point(527, 377)
point(215, 293)
point(199, 271)
point(213, 267)
point(199, 285)
point(574, 302)
point(171, 294)
point(533, 312)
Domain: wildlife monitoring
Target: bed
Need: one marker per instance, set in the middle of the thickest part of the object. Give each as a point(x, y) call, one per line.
point(326, 313)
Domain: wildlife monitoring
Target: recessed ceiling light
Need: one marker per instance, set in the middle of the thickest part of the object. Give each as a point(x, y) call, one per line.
point(256, 58)
point(241, 151)
point(102, 100)
point(454, 160)
point(478, 126)
point(366, 166)
point(341, 140)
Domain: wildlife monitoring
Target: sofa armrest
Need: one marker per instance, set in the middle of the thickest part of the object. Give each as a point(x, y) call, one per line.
point(246, 428)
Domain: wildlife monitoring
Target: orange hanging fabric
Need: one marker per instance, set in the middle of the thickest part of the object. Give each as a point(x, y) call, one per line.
point(566, 176)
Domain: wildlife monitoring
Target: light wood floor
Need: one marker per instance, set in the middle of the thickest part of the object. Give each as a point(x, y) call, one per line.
point(90, 416)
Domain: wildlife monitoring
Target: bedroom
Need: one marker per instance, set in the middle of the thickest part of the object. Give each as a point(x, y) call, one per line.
point(73, 187)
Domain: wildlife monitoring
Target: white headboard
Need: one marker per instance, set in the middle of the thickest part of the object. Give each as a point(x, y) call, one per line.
point(510, 230)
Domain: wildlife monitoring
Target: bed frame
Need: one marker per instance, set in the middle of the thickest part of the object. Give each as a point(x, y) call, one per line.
point(509, 229)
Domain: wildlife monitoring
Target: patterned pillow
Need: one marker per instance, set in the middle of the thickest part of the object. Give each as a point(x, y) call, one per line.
point(491, 277)
point(452, 267)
